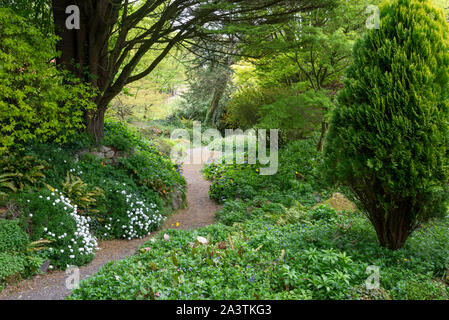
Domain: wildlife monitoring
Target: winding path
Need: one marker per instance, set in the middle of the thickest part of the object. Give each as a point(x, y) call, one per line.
point(200, 212)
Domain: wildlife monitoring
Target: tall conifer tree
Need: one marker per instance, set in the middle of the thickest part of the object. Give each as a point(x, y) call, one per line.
point(388, 139)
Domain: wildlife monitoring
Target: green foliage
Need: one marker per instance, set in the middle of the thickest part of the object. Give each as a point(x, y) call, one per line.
point(426, 290)
point(18, 265)
point(134, 190)
point(292, 86)
point(81, 194)
point(87, 198)
point(297, 115)
point(119, 136)
point(314, 49)
point(323, 212)
point(117, 198)
point(12, 237)
point(125, 138)
point(258, 259)
point(297, 112)
point(16, 258)
point(37, 102)
point(252, 253)
point(296, 179)
point(93, 171)
point(36, 12)
point(235, 211)
point(209, 85)
point(188, 109)
point(153, 172)
point(6, 185)
point(23, 171)
point(243, 110)
point(154, 97)
point(61, 159)
point(10, 265)
point(388, 140)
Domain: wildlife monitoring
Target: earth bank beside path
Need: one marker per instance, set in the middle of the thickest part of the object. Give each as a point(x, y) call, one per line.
point(200, 212)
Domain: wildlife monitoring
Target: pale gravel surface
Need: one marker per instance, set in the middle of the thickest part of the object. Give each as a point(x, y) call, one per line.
point(199, 212)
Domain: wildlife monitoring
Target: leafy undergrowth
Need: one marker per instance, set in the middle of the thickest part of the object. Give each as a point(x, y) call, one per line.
point(298, 254)
point(66, 202)
point(16, 258)
point(297, 178)
point(277, 243)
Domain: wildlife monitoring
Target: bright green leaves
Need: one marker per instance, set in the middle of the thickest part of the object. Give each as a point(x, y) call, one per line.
point(37, 102)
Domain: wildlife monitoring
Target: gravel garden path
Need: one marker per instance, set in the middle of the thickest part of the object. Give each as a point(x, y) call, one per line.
point(199, 212)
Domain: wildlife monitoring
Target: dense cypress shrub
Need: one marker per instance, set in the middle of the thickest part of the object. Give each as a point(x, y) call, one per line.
point(388, 139)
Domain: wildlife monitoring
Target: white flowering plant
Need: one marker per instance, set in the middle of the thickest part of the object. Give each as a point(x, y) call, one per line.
point(50, 215)
point(131, 214)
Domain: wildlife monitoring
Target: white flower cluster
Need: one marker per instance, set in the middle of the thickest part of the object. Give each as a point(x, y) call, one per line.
point(74, 172)
point(140, 218)
point(82, 240)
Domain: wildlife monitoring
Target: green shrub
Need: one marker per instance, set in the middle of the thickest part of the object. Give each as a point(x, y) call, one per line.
point(60, 158)
point(133, 192)
point(326, 273)
point(235, 211)
point(16, 266)
point(189, 108)
point(153, 172)
point(74, 201)
point(125, 138)
point(92, 170)
point(10, 265)
point(388, 141)
point(16, 258)
point(81, 194)
point(37, 102)
point(24, 171)
point(297, 114)
point(120, 136)
point(298, 177)
point(430, 243)
point(323, 212)
point(6, 185)
point(243, 109)
point(12, 237)
point(266, 247)
point(427, 290)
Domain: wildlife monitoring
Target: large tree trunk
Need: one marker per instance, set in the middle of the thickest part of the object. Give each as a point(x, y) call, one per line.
point(220, 88)
point(95, 123)
point(218, 94)
point(398, 228)
point(393, 233)
point(84, 52)
point(393, 227)
point(324, 129)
